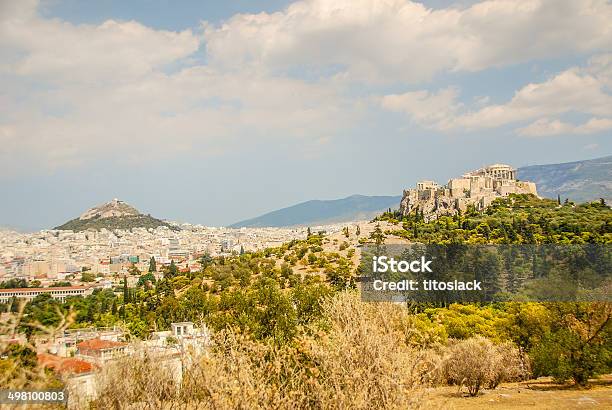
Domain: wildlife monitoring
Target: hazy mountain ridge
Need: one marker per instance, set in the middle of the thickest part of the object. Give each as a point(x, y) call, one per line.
point(319, 212)
point(113, 215)
point(580, 181)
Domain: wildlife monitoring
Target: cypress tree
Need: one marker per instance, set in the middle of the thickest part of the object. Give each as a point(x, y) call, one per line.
point(152, 265)
point(126, 293)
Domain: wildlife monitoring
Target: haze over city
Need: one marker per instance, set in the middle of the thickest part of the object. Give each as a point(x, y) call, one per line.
point(219, 111)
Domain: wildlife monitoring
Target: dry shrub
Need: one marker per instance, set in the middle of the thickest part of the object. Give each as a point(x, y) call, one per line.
point(361, 361)
point(510, 364)
point(140, 381)
point(477, 362)
point(19, 367)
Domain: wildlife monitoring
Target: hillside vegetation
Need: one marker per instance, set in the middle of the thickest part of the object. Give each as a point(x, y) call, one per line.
point(114, 222)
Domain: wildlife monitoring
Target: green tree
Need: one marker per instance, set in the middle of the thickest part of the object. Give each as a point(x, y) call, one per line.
point(126, 293)
point(133, 270)
point(144, 278)
point(579, 344)
point(87, 277)
point(171, 271)
point(377, 235)
point(152, 265)
point(205, 261)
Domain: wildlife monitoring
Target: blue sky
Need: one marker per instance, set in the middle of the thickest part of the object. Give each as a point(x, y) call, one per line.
point(213, 112)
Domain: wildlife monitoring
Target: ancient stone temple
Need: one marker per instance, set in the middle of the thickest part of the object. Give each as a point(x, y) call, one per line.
point(478, 188)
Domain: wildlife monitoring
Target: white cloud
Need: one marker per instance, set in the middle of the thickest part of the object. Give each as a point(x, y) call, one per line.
point(73, 93)
point(76, 93)
point(594, 125)
point(423, 107)
point(398, 40)
point(577, 90)
point(569, 91)
point(545, 127)
point(59, 51)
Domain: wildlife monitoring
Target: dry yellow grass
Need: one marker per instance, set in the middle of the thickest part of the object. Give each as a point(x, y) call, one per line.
point(542, 393)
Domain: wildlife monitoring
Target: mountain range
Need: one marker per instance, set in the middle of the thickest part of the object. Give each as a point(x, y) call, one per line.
point(580, 181)
point(319, 212)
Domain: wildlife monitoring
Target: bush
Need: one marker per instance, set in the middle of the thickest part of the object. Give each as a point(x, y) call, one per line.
point(477, 362)
point(143, 381)
point(509, 364)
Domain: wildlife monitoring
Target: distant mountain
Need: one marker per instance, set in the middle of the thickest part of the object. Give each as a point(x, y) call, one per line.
point(113, 215)
point(580, 181)
point(319, 212)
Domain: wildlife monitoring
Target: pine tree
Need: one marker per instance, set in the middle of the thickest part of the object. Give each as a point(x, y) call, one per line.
point(378, 236)
point(558, 199)
point(308, 232)
point(358, 231)
point(241, 250)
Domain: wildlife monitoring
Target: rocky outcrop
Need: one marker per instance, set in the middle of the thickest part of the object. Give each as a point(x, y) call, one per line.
point(477, 188)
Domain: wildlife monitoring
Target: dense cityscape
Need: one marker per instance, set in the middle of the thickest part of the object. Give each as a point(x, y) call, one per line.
point(51, 256)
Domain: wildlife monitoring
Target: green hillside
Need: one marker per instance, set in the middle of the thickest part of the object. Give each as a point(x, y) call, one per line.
point(115, 222)
point(115, 214)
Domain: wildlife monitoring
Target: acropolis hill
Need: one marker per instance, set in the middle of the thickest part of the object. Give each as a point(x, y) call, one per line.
point(478, 188)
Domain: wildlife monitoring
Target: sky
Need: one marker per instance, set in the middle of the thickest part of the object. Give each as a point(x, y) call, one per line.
point(212, 112)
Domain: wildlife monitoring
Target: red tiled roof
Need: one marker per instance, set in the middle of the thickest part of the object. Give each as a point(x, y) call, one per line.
point(99, 344)
point(65, 364)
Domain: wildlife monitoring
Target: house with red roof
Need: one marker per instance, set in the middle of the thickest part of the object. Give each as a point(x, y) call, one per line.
point(100, 349)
